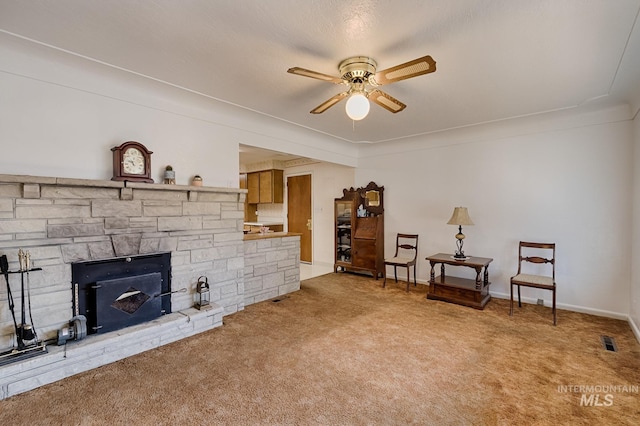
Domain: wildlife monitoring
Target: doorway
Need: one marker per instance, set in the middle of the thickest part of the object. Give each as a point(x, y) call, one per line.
point(299, 213)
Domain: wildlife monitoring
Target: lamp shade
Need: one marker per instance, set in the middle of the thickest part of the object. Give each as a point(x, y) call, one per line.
point(460, 216)
point(357, 106)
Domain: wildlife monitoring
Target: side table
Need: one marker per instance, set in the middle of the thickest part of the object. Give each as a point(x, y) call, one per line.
point(463, 291)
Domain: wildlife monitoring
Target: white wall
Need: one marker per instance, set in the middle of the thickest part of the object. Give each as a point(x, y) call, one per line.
point(568, 182)
point(634, 294)
point(61, 114)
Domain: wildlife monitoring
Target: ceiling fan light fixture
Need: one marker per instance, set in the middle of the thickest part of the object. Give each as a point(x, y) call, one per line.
point(357, 106)
point(360, 75)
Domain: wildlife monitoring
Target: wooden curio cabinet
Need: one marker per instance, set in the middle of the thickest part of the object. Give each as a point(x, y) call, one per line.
point(345, 218)
point(359, 230)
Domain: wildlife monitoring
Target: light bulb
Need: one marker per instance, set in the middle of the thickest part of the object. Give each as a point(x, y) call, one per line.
point(357, 106)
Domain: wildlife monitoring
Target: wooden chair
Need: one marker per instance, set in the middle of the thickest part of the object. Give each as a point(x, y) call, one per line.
point(405, 256)
point(541, 280)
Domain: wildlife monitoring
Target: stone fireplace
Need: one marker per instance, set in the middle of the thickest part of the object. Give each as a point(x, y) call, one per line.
point(68, 223)
point(65, 222)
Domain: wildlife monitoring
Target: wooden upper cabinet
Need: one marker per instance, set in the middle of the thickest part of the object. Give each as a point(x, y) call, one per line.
point(265, 187)
point(253, 185)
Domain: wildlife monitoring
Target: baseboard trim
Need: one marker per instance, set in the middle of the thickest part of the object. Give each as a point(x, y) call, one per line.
point(634, 328)
point(591, 311)
point(573, 308)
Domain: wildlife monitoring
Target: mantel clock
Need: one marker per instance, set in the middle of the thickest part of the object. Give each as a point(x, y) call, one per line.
point(132, 162)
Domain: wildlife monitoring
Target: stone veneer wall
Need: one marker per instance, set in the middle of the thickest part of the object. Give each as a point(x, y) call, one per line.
point(60, 221)
point(271, 267)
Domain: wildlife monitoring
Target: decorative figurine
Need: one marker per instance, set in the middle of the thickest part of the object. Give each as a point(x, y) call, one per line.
point(169, 176)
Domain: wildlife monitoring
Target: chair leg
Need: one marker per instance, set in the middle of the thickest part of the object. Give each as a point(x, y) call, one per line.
point(384, 282)
point(408, 281)
point(415, 281)
point(554, 307)
point(511, 310)
point(395, 272)
point(519, 301)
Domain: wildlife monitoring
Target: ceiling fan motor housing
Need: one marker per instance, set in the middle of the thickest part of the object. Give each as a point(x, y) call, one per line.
point(357, 69)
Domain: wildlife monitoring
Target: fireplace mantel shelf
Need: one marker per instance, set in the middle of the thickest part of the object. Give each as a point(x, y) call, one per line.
point(96, 183)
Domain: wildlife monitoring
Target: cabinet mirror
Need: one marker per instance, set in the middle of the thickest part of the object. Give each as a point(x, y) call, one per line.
point(372, 198)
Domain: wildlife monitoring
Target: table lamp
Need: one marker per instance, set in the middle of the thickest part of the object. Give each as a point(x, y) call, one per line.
point(460, 217)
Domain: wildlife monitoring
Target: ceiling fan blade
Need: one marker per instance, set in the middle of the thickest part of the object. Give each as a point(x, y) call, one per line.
point(329, 103)
point(314, 74)
point(420, 66)
point(386, 101)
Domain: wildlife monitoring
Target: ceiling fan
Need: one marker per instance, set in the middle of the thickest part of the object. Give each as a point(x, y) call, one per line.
point(359, 74)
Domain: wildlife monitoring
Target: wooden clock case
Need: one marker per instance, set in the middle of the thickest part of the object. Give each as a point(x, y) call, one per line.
point(118, 169)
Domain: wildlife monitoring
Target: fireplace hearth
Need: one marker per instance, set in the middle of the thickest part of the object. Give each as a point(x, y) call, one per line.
point(120, 292)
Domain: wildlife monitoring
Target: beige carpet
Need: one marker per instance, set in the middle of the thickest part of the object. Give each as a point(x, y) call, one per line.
point(344, 351)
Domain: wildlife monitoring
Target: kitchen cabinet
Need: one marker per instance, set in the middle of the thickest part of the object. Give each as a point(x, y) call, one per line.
point(265, 187)
point(249, 211)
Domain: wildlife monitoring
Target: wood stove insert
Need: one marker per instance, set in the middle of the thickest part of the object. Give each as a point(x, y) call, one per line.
point(120, 292)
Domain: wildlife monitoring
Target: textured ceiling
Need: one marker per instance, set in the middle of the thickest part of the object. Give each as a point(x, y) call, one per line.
point(496, 59)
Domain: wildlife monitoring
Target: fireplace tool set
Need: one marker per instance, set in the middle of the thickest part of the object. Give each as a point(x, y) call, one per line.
point(28, 344)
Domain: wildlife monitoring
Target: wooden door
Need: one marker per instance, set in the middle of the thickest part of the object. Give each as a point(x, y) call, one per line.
point(299, 212)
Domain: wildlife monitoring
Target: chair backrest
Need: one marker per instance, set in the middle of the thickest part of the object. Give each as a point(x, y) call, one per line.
point(537, 253)
point(406, 243)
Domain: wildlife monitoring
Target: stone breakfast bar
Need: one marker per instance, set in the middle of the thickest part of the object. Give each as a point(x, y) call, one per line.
point(61, 221)
point(271, 265)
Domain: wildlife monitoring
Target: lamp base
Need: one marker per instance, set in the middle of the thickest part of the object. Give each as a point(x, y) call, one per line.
point(459, 244)
point(459, 256)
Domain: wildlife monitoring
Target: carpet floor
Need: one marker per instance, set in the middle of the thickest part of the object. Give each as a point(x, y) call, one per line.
point(344, 351)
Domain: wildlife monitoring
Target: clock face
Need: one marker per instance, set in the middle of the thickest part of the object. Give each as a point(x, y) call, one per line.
point(133, 162)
